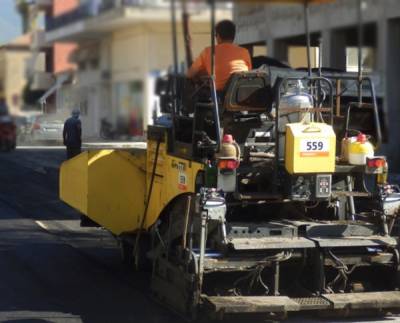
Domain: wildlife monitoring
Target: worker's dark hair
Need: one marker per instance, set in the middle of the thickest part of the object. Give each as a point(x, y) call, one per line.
point(226, 29)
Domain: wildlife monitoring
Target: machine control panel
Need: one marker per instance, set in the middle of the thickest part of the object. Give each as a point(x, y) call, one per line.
point(323, 185)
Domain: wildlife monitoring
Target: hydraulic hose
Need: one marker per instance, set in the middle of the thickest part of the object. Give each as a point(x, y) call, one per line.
point(153, 175)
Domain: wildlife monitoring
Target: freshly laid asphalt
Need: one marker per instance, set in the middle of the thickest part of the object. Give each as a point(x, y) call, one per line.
point(51, 270)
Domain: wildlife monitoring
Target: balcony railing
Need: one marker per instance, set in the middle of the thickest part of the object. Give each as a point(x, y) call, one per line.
point(94, 8)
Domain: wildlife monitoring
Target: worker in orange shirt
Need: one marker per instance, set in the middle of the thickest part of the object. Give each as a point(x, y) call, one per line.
point(229, 58)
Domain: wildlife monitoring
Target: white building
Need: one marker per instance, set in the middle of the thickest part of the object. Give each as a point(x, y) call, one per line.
point(123, 47)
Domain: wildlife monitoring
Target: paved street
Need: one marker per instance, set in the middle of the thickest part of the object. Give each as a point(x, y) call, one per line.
point(54, 271)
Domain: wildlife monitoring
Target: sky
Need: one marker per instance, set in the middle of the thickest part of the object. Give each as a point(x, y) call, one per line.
point(10, 22)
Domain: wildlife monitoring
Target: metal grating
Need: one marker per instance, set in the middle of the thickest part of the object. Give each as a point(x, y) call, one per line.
point(312, 303)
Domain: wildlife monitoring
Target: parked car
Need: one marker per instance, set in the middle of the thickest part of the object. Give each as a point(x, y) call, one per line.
point(47, 128)
point(8, 133)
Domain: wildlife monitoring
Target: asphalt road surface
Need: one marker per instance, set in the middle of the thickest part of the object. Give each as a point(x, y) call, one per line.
point(51, 270)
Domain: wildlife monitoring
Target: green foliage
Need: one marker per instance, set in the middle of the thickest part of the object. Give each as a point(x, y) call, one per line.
point(22, 6)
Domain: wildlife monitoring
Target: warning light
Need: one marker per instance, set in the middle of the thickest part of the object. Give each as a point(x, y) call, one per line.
point(376, 162)
point(228, 164)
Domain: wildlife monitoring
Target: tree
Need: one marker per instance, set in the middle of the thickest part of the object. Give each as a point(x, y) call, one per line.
point(22, 7)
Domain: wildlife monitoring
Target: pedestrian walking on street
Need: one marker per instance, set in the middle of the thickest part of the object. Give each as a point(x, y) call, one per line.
point(72, 134)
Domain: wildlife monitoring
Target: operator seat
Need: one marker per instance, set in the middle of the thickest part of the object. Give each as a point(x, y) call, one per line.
point(248, 91)
point(247, 95)
point(364, 118)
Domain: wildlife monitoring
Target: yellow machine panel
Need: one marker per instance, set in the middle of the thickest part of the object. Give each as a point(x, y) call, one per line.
point(111, 186)
point(310, 148)
point(108, 186)
point(74, 182)
point(175, 176)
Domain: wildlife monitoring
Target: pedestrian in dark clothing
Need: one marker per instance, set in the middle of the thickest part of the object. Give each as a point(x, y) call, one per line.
point(72, 134)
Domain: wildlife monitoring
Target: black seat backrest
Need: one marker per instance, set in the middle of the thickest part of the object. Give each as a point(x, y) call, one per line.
point(249, 91)
point(184, 89)
point(362, 118)
point(184, 129)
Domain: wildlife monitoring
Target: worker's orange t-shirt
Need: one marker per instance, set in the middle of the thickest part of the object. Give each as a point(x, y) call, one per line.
point(229, 58)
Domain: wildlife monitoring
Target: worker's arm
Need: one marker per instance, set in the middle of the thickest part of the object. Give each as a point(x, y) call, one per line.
point(197, 67)
point(248, 59)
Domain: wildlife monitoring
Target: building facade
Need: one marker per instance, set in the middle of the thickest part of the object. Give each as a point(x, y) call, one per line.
point(55, 55)
point(13, 58)
point(123, 46)
point(280, 29)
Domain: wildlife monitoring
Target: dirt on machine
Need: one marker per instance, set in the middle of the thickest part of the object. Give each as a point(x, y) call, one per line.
point(271, 201)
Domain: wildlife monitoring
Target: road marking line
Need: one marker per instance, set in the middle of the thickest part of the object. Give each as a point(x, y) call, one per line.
point(42, 225)
point(40, 147)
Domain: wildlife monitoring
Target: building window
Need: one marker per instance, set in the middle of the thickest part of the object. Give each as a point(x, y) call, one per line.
point(368, 59)
point(256, 49)
point(297, 56)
